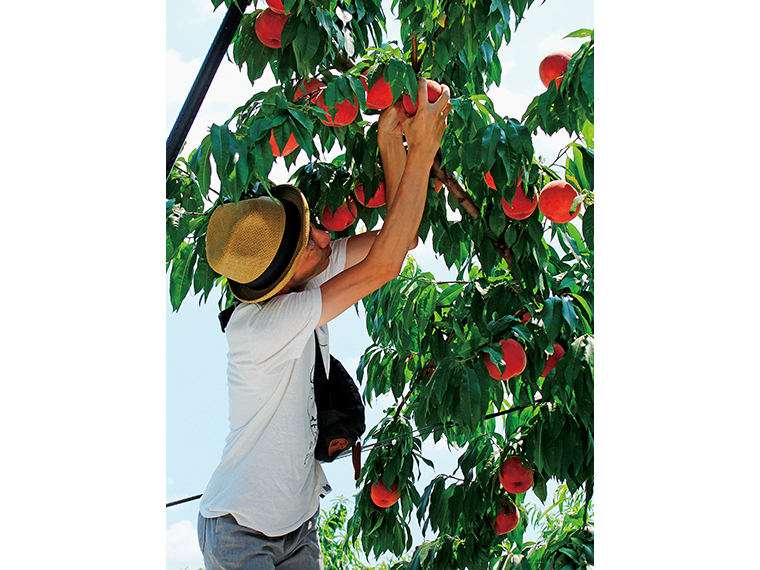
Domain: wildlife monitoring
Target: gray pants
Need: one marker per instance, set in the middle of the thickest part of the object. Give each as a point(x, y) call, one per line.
point(227, 545)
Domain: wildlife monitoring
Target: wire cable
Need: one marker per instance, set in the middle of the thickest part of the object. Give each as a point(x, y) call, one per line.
point(370, 447)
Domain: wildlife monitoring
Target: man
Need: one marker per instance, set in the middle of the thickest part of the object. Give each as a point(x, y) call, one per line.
point(260, 508)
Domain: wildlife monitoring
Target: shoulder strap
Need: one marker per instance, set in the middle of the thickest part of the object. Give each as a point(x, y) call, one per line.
point(321, 390)
point(226, 314)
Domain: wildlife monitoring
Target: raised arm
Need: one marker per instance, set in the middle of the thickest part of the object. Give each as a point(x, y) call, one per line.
point(386, 256)
point(390, 142)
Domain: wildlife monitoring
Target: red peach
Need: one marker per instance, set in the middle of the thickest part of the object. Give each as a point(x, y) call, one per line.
point(337, 221)
point(552, 66)
point(269, 26)
point(514, 359)
point(555, 200)
point(383, 497)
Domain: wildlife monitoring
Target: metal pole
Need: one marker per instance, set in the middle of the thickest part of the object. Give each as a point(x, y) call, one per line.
point(202, 82)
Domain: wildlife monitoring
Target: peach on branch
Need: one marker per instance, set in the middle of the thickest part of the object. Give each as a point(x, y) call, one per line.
point(269, 26)
point(383, 497)
point(337, 221)
point(556, 201)
point(554, 66)
point(433, 91)
point(553, 358)
point(514, 360)
point(507, 519)
point(379, 96)
point(515, 476)
point(344, 113)
point(522, 206)
point(376, 201)
point(308, 88)
point(290, 146)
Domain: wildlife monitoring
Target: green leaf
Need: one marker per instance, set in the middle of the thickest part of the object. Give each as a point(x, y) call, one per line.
point(551, 316)
point(497, 220)
point(588, 227)
point(469, 400)
point(181, 275)
point(581, 33)
point(492, 137)
point(568, 313)
point(200, 164)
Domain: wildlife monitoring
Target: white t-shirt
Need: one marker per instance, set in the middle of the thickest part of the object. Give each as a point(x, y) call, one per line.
point(268, 478)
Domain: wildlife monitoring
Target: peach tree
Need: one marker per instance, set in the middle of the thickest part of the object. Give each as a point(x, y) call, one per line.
point(525, 278)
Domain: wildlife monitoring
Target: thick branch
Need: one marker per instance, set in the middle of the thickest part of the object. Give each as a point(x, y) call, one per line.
point(453, 186)
point(415, 61)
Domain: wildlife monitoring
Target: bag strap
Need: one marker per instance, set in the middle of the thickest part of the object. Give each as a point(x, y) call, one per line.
point(321, 387)
point(226, 314)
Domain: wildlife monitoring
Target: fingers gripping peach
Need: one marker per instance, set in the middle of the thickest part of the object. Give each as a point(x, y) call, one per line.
point(425, 129)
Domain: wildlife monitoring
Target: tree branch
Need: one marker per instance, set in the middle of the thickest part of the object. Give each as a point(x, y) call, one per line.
point(181, 170)
point(426, 370)
point(415, 61)
point(431, 45)
point(453, 186)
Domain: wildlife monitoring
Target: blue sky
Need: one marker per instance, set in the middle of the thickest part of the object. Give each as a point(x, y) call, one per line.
point(196, 349)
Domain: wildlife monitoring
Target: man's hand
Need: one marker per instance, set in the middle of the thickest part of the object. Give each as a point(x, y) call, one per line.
point(424, 130)
point(389, 125)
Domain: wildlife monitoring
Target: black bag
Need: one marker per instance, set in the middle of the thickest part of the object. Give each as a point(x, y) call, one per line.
point(340, 411)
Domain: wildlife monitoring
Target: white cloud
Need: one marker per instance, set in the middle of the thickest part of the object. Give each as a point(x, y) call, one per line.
point(182, 548)
point(508, 103)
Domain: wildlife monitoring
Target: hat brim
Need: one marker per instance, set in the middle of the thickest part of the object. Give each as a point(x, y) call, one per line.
point(246, 294)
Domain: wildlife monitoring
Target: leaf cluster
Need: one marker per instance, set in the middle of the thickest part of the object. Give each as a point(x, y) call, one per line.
point(571, 106)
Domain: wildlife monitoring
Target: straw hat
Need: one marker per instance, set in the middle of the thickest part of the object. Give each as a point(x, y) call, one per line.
point(258, 243)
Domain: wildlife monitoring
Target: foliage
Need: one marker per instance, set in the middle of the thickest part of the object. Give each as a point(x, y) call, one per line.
point(566, 536)
point(429, 337)
point(336, 553)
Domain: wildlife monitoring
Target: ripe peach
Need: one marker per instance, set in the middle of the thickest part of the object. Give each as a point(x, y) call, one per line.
point(522, 206)
point(551, 362)
point(434, 91)
point(489, 181)
point(555, 200)
point(377, 200)
point(277, 6)
point(308, 88)
point(290, 146)
point(552, 66)
point(337, 221)
point(514, 360)
point(437, 185)
point(380, 96)
point(269, 26)
point(383, 497)
point(507, 519)
point(515, 476)
point(345, 111)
